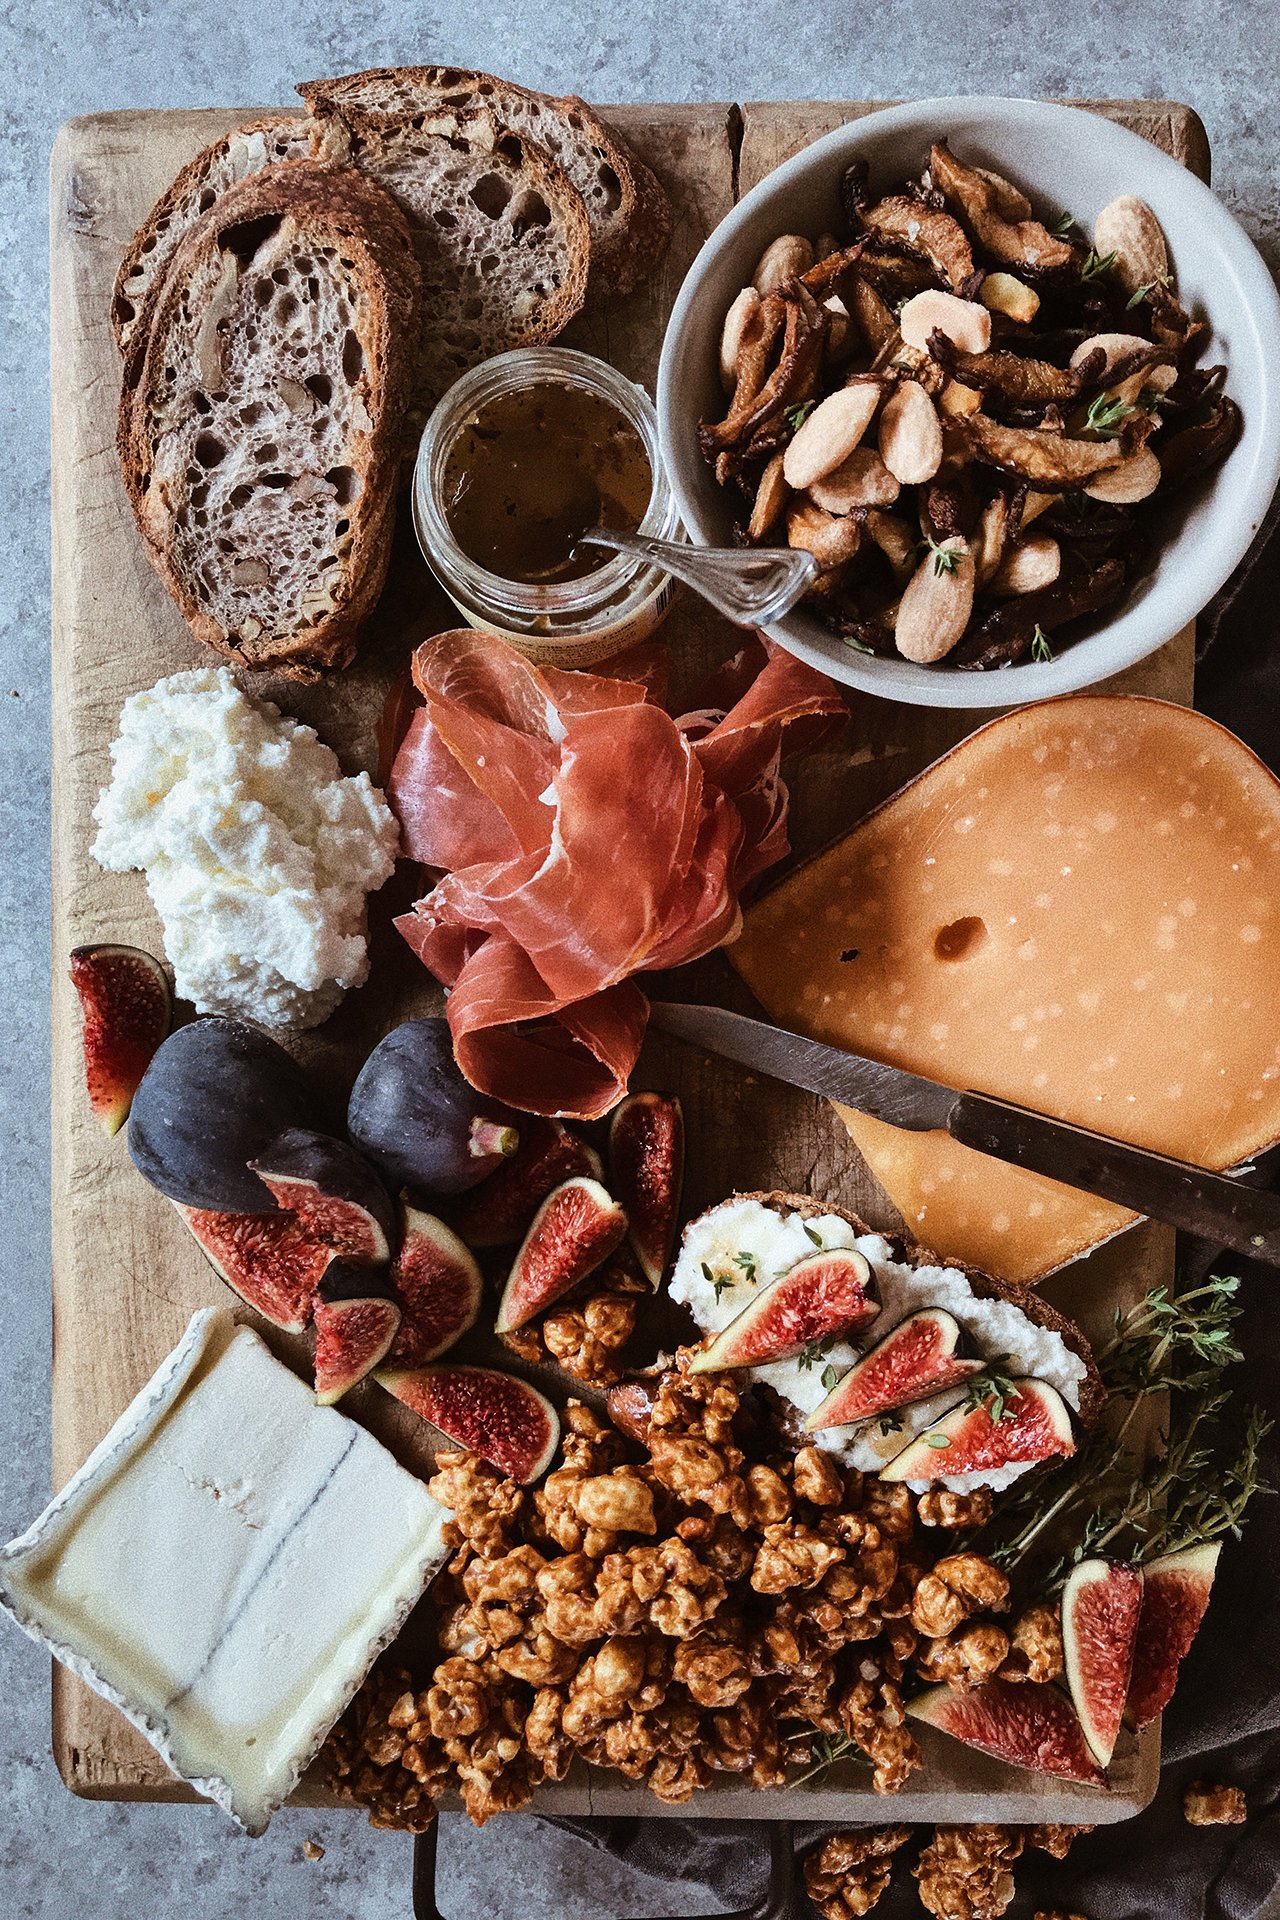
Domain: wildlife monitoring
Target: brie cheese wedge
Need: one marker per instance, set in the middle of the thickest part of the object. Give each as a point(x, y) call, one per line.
point(227, 1565)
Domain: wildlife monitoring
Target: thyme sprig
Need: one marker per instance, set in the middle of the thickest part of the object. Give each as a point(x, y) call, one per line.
point(1096, 265)
point(945, 559)
point(795, 417)
point(829, 1748)
point(1105, 414)
point(994, 1389)
point(1041, 646)
point(815, 1350)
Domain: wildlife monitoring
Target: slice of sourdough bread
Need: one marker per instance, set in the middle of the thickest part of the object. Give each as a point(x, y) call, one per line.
point(261, 413)
point(501, 236)
point(627, 208)
point(245, 150)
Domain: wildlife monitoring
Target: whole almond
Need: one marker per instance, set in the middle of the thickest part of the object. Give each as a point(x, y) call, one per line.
point(1133, 480)
point(1033, 563)
point(831, 433)
point(965, 322)
point(910, 436)
point(828, 538)
point(1128, 228)
point(771, 497)
point(735, 322)
point(863, 480)
point(934, 611)
point(782, 260)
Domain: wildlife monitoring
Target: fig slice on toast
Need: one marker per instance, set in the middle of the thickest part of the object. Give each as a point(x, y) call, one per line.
point(1100, 1607)
point(822, 1296)
point(1031, 1422)
point(913, 1361)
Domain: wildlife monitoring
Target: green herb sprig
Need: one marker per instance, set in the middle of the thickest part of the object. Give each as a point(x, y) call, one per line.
point(1041, 647)
point(1095, 265)
point(1105, 415)
point(795, 417)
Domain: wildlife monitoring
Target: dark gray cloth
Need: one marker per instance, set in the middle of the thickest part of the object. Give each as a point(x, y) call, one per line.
point(1224, 1723)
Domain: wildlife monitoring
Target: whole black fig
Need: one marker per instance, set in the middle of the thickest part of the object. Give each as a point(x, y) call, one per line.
point(420, 1122)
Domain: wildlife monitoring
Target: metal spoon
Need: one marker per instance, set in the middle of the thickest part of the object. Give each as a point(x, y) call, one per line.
point(751, 586)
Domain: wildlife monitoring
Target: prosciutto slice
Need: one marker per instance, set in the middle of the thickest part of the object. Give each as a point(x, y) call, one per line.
point(583, 836)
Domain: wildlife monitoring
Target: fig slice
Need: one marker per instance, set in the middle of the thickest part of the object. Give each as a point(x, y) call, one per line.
point(127, 1004)
point(1031, 1725)
point(646, 1166)
point(438, 1286)
point(1100, 1607)
point(825, 1294)
point(266, 1258)
point(575, 1229)
point(913, 1361)
point(497, 1213)
point(1037, 1426)
point(332, 1191)
point(355, 1321)
point(1175, 1593)
point(503, 1419)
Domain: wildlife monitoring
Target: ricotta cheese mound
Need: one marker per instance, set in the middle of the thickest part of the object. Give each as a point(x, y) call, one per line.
point(258, 853)
point(715, 1285)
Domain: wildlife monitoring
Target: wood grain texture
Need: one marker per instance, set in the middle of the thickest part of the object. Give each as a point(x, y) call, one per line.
point(126, 1277)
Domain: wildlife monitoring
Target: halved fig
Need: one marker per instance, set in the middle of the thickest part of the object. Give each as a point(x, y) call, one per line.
point(915, 1359)
point(127, 1004)
point(1175, 1593)
point(215, 1094)
point(1036, 1426)
point(1031, 1725)
point(646, 1166)
point(438, 1285)
point(505, 1420)
point(266, 1258)
point(574, 1231)
point(356, 1321)
point(420, 1122)
point(498, 1212)
point(332, 1190)
point(1100, 1606)
point(823, 1295)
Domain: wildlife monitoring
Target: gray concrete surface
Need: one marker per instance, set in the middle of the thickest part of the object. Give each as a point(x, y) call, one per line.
point(60, 1857)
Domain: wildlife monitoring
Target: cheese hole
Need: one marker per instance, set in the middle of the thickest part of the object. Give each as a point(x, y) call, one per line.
point(960, 939)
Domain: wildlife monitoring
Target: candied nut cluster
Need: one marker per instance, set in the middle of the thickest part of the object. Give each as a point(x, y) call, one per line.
point(1204, 1805)
point(585, 1332)
point(672, 1605)
point(1035, 1645)
point(846, 1875)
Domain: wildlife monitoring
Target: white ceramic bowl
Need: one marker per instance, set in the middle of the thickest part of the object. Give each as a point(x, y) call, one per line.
point(1062, 157)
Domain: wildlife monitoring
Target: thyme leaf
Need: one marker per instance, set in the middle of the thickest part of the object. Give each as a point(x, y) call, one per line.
point(750, 1266)
point(1095, 265)
point(1065, 224)
point(827, 1749)
point(1105, 414)
point(1041, 648)
point(814, 1351)
point(811, 1233)
point(993, 1390)
point(831, 1377)
point(945, 559)
point(795, 417)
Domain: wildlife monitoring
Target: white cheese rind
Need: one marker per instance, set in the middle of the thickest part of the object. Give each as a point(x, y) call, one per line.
point(777, 1241)
point(226, 1566)
point(258, 853)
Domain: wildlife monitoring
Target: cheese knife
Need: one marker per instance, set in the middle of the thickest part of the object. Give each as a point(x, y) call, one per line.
point(1215, 1206)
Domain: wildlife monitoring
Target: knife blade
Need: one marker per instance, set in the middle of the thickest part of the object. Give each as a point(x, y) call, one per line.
point(1215, 1206)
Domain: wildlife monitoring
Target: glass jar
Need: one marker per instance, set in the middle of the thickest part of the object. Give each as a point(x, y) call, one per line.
point(567, 623)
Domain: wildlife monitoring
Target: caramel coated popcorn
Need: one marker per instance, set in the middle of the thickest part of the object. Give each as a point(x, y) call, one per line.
point(679, 1599)
point(1204, 1805)
point(846, 1875)
point(966, 1873)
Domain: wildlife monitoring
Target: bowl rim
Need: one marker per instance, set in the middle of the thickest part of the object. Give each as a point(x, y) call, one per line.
point(1134, 633)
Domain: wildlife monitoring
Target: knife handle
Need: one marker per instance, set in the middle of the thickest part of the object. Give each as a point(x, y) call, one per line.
point(1211, 1205)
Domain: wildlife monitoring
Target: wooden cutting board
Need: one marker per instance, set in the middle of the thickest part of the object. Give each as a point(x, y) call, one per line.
point(126, 1276)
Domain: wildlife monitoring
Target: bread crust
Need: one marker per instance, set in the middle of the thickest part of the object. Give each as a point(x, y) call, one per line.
point(321, 207)
point(628, 244)
point(150, 250)
point(1093, 1395)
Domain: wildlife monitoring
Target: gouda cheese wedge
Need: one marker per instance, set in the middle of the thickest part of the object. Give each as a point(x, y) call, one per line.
point(1077, 909)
